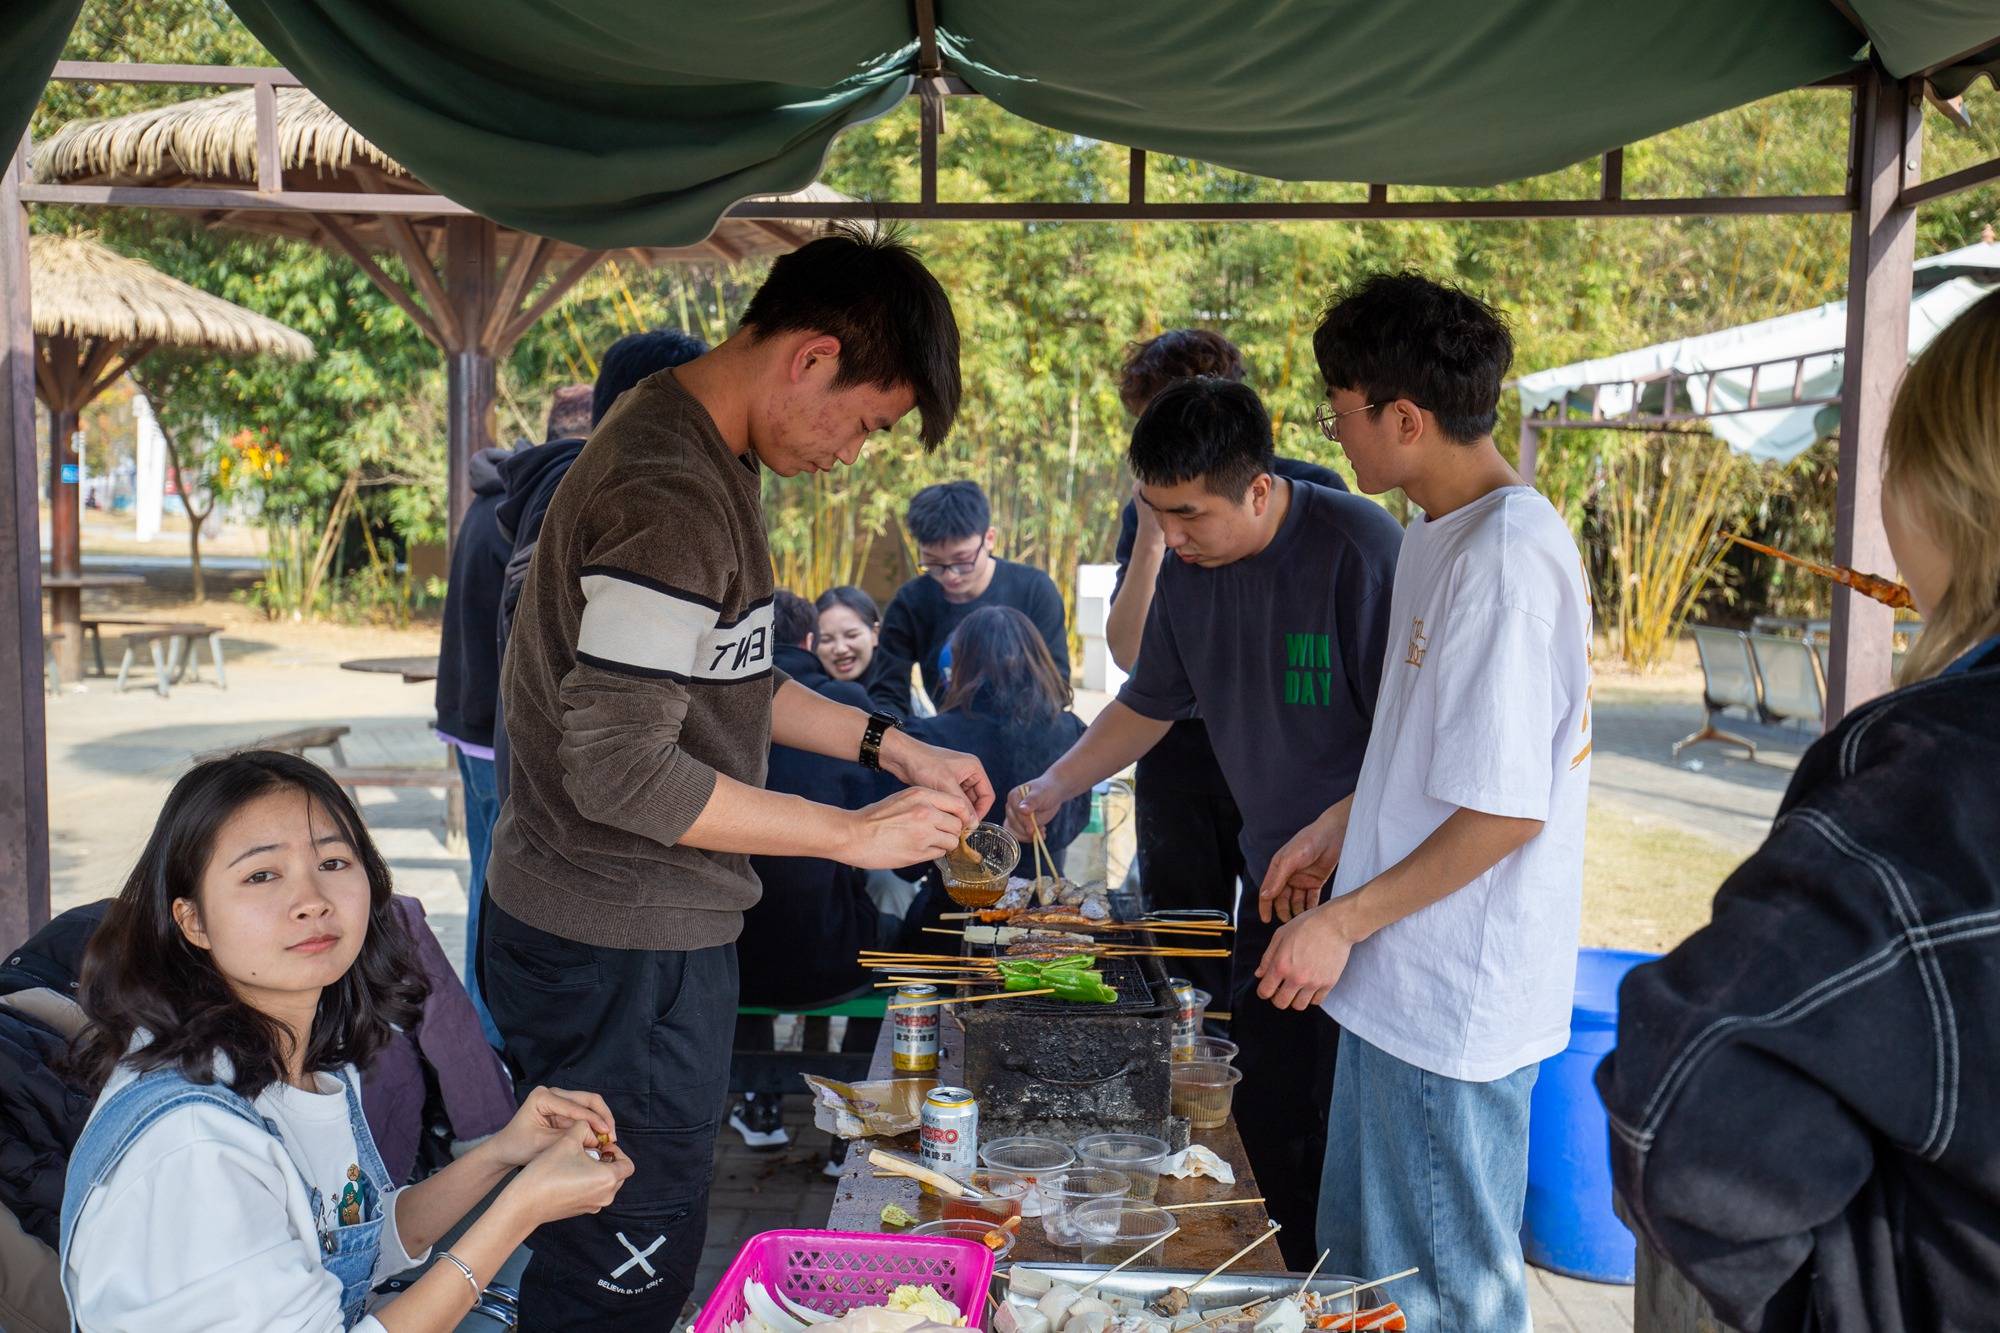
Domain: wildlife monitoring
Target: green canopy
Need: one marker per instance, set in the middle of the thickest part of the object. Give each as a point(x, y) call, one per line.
point(637, 122)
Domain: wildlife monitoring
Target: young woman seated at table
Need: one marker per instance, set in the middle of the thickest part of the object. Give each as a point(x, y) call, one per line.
point(226, 1179)
point(1005, 702)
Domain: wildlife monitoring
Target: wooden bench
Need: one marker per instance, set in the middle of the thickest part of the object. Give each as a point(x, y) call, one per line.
point(780, 1071)
point(354, 777)
point(295, 742)
point(172, 646)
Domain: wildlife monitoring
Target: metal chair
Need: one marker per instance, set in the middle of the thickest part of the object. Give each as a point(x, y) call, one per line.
point(1794, 682)
point(1728, 680)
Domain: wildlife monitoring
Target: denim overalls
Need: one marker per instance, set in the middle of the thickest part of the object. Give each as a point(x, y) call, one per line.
point(349, 1253)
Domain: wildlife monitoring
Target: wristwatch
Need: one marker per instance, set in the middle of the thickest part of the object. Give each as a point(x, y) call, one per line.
point(871, 739)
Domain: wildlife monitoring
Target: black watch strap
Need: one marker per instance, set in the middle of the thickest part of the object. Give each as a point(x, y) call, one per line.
point(871, 739)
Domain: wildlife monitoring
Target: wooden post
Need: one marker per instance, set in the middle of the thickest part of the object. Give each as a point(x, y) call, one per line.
point(1888, 141)
point(469, 280)
point(1525, 459)
point(65, 529)
point(24, 787)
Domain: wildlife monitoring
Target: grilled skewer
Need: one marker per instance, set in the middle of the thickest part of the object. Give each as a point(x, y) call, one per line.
point(1884, 590)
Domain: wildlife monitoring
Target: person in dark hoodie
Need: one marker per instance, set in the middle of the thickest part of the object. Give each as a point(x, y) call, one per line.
point(1009, 704)
point(1803, 1095)
point(531, 478)
point(799, 942)
point(468, 683)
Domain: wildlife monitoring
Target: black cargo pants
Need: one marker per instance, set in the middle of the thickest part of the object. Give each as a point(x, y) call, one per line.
point(651, 1033)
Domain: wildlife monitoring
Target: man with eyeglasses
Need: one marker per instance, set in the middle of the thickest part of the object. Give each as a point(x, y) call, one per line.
point(952, 525)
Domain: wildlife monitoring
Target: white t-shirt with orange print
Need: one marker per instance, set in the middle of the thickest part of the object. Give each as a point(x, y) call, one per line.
point(1484, 705)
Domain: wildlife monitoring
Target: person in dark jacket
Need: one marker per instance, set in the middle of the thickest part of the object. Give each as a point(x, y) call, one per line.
point(1189, 828)
point(468, 682)
point(1009, 705)
point(952, 525)
point(799, 942)
point(1805, 1095)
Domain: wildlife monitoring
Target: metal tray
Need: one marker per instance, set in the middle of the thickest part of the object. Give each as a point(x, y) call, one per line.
point(1143, 1284)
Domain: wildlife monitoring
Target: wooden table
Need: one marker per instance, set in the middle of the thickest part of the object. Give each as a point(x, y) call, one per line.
point(65, 594)
point(1207, 1235)
point(413, 670)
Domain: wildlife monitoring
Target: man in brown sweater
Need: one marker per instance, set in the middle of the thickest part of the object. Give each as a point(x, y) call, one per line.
point(641, 701)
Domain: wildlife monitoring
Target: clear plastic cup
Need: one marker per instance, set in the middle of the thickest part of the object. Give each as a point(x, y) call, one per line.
point(1063, 1192)
point(1203, 1090)
point(1112, 1230)
point(998, 851)
point(1030, 1158)
point(1138, 1156)
point(960, 1228)
point(1003, 1195)
point(1201, 999)
point(1219, 1049)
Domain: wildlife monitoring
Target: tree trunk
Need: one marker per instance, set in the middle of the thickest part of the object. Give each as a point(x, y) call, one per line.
point(195, 520)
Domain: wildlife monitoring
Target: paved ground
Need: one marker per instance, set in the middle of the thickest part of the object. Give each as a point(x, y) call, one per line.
point(113, 757)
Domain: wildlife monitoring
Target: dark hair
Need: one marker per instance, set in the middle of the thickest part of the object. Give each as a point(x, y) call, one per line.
point(855, 600)
point(569, 412)
point(793, 620)
point(1001, 668)
point(873, 293)
point(141, 972)
point(1401, 335)
point(1177, 354)
point(636, 356)
point(1205, 429)
point(947, 512)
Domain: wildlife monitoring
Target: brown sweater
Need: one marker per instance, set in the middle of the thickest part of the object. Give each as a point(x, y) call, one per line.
point(639, 667)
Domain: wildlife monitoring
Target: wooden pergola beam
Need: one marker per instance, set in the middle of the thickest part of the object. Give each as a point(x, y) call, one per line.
point(554, 292)
point(389, 287)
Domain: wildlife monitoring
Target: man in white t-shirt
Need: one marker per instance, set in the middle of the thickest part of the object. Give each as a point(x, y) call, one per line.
point(1447, 950)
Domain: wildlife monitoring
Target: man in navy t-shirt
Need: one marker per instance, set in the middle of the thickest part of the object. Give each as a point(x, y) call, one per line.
point(953, 528)
point(1271, 623)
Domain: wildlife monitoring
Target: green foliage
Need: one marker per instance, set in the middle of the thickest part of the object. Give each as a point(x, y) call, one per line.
point(1046, 311)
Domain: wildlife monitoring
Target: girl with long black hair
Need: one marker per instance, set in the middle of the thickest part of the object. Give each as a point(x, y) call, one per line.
point(226, 1178)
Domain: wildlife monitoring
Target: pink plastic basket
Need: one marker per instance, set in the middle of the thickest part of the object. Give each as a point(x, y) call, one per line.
point(835, 1271)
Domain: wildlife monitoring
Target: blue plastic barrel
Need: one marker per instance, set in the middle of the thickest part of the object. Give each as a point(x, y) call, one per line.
point(1569, 1226)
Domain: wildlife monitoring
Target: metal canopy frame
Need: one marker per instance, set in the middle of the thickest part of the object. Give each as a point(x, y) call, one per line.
point(1884, 187)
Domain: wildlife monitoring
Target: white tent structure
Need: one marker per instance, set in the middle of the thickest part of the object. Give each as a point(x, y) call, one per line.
point(1792, 365)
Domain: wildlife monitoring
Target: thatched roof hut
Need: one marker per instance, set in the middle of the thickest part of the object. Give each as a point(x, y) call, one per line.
point(212, 141)
point(82, 290)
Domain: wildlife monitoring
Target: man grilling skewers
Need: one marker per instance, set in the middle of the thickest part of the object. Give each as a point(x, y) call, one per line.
point(1271, 622)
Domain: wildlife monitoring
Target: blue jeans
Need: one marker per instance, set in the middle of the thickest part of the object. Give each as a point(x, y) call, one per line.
point(1429, 1172)
point(482, 807)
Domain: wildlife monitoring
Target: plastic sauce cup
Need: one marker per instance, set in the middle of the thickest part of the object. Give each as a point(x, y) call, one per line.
point(1111, 1230)
point(1203, 1090)
point(1063, 1192)
point(1031, 1159)
point(1137, 1155)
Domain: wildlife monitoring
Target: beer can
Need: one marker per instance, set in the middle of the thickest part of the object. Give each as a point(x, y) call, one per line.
point(915, 1035)
point(949, 1140)
point(1185, 1027)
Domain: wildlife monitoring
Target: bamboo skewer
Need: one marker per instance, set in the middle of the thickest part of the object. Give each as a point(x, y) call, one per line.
point(1364, 1286)
point(1246, 1308)
point(1884, 590)
point(1212, 1203)
point(1128, 1260)
point(1317, 1264)
point(972, 999)
point(1220, 1268)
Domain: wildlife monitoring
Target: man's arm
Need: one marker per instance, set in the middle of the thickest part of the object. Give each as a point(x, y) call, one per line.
point(809, 721)
point(895, 654)
point(1308, 954)
point(1132, 599)
point(1048, 618)
point(1118, 737)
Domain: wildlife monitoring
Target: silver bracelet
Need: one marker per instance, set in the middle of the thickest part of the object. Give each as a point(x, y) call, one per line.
point(464, 1268)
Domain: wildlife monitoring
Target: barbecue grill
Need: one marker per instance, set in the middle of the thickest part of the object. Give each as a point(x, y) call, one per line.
point(1051, 1067)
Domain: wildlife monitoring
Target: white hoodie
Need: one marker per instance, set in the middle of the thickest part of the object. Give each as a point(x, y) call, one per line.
point(206, 1227)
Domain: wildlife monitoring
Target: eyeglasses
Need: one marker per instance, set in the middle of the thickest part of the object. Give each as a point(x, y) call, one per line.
point(1329, 420)
point(959, 570)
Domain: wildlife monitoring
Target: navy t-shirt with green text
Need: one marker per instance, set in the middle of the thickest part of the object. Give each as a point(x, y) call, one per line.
point(1281, 655)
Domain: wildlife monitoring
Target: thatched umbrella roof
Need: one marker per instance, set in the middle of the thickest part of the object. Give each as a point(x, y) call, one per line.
point(212, 141)
point(82, 289)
